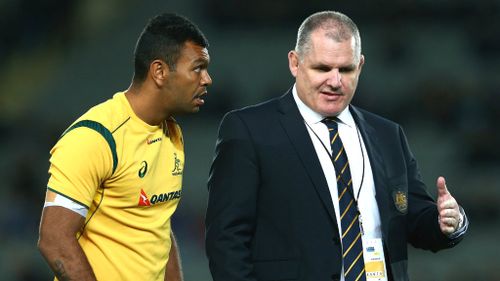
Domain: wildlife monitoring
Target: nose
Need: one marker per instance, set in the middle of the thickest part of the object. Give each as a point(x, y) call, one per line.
point(206, 80)
point(335, 79)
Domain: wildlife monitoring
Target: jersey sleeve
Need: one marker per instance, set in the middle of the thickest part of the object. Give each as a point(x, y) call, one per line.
point(80, 162)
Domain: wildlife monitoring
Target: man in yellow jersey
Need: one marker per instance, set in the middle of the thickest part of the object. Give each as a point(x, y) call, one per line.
point(116, 172)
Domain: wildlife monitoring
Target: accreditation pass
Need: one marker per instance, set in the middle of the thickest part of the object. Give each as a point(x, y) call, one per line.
point(373, 254)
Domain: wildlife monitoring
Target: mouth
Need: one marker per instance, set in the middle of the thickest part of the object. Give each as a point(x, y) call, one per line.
point(331, 95)
point(200, 98)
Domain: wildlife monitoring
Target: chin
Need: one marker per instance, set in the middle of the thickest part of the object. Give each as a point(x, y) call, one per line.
point(329, 111)
point(333, 111)
point(193, 110)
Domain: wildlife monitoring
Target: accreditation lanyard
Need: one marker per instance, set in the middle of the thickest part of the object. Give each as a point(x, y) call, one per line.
point(337, 170)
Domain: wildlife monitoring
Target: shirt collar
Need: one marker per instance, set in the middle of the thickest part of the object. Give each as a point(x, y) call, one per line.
point(312, 117)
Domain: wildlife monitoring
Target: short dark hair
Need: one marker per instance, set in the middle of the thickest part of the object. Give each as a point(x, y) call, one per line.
point(339, 26)
point(163, 38)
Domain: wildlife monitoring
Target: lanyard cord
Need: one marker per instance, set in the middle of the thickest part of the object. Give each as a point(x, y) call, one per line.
point(337, 170)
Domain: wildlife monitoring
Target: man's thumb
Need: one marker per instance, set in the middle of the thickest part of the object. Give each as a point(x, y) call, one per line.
point(441, 186)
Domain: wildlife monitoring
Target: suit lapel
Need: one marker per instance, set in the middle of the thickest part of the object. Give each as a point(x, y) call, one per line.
point(295, 128)
point(372, 144)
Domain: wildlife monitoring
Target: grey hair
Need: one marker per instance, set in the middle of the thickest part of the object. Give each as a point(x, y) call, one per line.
point(337, 26)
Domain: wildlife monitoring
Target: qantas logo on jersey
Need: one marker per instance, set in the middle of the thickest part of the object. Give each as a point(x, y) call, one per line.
point(148, 141)
point(143, 199)
point(158, 198)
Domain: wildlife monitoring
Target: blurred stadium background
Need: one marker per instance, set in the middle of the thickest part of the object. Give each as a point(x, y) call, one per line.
point(433, 66)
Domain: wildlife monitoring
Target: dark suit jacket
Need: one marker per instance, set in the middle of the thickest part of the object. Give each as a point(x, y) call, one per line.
point(270, 215)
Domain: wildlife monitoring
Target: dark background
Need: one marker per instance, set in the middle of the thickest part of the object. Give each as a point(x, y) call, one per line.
point(432, 66)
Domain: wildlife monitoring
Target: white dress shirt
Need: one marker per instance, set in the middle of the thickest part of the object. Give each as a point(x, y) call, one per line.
point(358, 160)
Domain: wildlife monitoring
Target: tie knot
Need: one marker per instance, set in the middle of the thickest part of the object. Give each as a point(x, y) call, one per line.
point(331, 122)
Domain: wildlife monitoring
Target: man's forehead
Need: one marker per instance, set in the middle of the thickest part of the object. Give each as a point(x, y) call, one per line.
point(323, 45)
point(194, 52)
point(322, 35)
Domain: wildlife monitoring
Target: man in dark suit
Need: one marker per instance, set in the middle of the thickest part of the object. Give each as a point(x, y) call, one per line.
point(309, 187)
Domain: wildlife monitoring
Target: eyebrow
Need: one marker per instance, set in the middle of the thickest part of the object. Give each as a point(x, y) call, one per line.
point(202, 60)
point(322, 65)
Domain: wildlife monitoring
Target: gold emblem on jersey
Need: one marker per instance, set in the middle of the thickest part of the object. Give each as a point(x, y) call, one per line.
point(177, 166)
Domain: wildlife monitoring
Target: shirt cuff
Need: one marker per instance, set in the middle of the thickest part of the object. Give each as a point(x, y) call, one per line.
point(463, 225)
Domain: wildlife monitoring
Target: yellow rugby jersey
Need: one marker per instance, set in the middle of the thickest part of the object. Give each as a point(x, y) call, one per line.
point(129, 175)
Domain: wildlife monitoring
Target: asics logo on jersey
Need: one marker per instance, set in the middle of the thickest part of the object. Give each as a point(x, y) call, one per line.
point(158, 198)
point(148, 141)
point(144, 169)
point(177, 166)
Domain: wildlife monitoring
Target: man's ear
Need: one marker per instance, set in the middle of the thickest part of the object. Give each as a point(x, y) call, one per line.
point(159, 71)
point(361, 62)
point(293, 62)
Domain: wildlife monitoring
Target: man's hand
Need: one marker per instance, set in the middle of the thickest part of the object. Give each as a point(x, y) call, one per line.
point(449, 213)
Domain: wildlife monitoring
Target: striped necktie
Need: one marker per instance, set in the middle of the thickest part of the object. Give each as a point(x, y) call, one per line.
point(352, 248)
